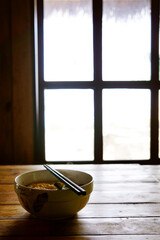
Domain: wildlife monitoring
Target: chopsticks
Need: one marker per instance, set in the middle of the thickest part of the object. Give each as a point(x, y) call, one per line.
point(72, 185)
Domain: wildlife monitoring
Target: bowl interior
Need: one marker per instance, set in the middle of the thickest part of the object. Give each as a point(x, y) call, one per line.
point(81, 178)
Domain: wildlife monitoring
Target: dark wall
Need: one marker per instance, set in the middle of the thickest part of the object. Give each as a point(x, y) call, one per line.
point(16, 82)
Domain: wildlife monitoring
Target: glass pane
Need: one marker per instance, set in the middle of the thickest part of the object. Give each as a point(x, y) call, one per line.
point(126, 40)
point(68, 43)
point(126, 124)
point(69, 122)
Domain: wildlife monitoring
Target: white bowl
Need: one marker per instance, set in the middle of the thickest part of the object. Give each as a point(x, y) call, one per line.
point(52, 204)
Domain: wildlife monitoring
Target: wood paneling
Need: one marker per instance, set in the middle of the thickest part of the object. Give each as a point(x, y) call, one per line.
point(16, 82)
point(22, 68)
point(6, 130)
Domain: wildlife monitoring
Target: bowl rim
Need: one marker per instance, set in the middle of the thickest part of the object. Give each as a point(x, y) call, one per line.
point(49, 190)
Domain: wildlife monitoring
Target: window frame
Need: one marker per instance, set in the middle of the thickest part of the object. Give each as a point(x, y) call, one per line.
point(97, 85)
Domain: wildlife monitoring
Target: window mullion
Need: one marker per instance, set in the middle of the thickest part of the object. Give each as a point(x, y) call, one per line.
point(40, 149)
point(97, 43)
point(154, 79)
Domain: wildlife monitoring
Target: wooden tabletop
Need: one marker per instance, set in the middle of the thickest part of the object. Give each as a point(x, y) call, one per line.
point(125, 204)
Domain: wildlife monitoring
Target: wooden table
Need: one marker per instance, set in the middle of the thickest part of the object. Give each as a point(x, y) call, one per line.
point(125, 204)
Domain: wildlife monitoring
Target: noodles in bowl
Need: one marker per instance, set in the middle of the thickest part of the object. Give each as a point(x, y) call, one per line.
point(51, 199)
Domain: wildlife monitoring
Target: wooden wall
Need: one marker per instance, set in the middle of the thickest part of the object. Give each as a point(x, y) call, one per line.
point(16, 82)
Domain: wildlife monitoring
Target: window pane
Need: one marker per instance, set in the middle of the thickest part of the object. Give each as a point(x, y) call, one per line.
point(126, 124)
point(126, 40)
point(68, 48)
point(69, 122)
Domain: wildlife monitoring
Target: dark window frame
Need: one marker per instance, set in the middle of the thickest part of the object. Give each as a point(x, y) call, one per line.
point(98, 85)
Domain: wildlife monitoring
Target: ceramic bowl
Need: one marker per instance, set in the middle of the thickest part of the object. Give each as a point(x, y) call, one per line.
point(52, 204)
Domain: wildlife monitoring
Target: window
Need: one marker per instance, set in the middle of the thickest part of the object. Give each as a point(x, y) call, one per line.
point(97, 81)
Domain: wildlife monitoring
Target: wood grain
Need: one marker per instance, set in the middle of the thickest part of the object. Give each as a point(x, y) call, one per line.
point(127, 226)
point(124, 205)
point(6, 130)
point(16, 82)
point(102, 237)
point(22, 71)
point(91, 211)
point(100, 197)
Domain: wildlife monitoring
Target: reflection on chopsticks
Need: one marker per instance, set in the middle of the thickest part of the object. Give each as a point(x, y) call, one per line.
point(73, 186)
